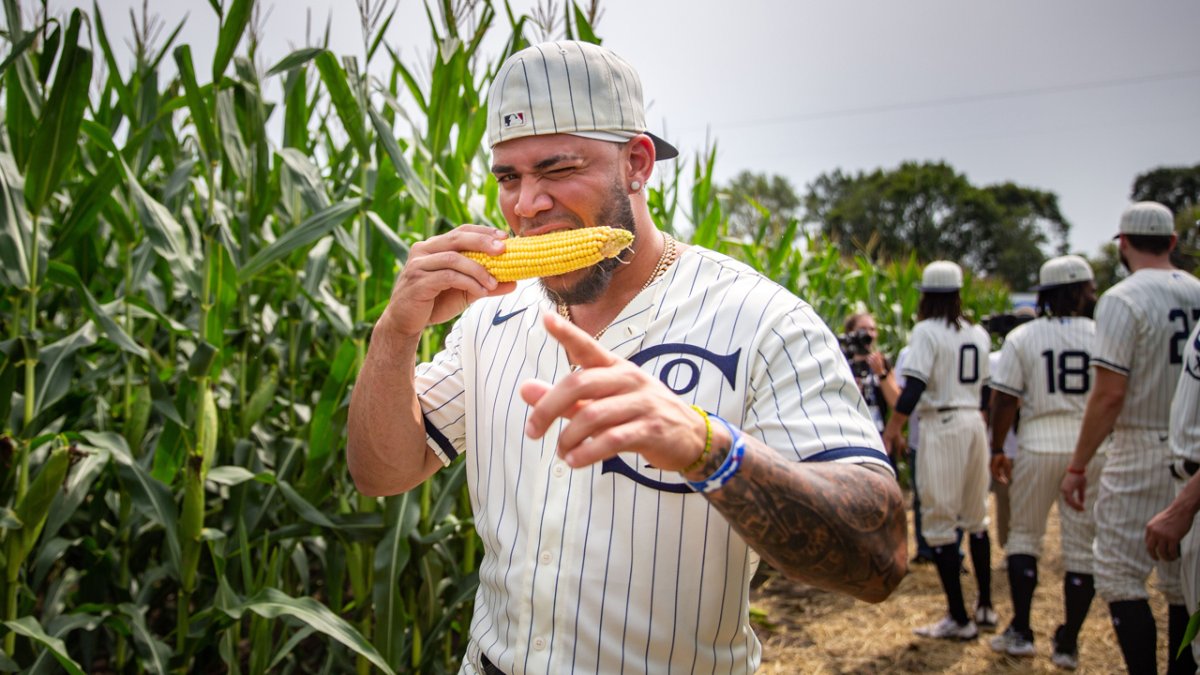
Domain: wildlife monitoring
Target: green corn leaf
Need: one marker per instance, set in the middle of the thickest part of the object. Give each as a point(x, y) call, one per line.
point(261, 399)
point(86, 207)
point(76, 489)
point(232, 475)
point(138, 416)
point(583, 29)
point(49, 54)
point(394, 243)
point(294, 60)
point(155, 655)
point(29, 627)
point(16, 230)
point(232, 143)
point(65, 275)
point(324, 432)
point(57, 135)
point(18, 49)
point(207, 430)
point(311, 184)
point(233, 24)
point(197, 103)
point(56, 368)
point(271, 603)
point(317, 226)
point(303, 507)
point(124, 95)
point(412, 182)
point(288, 646)
point(344, 101)
point(391, 559)
point(59, 627)
point(34, 507)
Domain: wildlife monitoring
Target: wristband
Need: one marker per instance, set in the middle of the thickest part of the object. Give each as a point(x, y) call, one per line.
point(997, 451)
point(704, 454)
point(729, 468)
point(1077, 472)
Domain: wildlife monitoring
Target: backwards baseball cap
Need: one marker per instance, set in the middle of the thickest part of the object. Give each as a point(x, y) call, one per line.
point(1147, 218)
point(941, 276)
point(1063, 270)
point(568, 87)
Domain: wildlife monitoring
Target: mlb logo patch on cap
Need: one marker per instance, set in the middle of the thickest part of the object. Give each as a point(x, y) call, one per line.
point(516, 119)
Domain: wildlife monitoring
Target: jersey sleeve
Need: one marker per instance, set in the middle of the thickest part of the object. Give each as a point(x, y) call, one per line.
point(802, 399)
point(919, 361)
point(1007, 375)
point(440, 389)
point(1116, 324)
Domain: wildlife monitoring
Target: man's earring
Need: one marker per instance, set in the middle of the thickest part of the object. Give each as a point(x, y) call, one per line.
point(635, 186)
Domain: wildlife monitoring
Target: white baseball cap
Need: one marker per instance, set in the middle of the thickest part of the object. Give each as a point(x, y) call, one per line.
point(568, 87)
point(1063, 270)
point(1147, 218)
point(941, 276)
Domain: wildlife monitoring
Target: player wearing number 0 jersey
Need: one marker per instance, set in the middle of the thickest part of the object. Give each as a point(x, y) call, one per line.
point(1142, 326)
point(945, 370)
point(1044, 370)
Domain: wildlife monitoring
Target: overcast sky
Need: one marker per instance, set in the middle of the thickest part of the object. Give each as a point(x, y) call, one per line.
point(1076, 97)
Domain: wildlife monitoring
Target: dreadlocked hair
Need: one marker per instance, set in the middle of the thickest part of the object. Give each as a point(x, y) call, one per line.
point(946, 306)
point(1065, 300)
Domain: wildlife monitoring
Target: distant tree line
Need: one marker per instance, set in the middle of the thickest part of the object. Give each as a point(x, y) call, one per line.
point(1004, 231)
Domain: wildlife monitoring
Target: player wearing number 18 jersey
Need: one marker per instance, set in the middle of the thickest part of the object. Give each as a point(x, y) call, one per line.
point(945, 370)
point(1043, 370)
point(1142, 325)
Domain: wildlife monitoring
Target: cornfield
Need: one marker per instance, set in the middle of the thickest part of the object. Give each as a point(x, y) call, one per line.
point(185, 300)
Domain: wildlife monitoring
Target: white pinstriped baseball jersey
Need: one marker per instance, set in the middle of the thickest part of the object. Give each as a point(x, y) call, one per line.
point(619, 566)
point(1045, 363)
point(1185, 406)
point(953, 362)
point(1142, 326)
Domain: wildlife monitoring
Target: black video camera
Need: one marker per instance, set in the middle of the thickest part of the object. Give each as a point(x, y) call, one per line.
point(1002, 324)
point(854, 344)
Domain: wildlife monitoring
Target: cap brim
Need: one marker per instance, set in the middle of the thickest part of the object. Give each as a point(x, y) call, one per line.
point(662, 149)
point(939, 289)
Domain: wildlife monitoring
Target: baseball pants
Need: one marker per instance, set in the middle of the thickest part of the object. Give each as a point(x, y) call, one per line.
point(1189, 570)
point(953, 464)
point(1035, 487)
point(1135, 485)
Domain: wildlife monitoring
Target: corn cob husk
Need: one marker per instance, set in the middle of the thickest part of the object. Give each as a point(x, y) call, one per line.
point(555, 253)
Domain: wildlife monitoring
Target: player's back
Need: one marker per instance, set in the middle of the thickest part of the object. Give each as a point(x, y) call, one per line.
point(1142, 326)
point(951, 360)
point(1046, 363)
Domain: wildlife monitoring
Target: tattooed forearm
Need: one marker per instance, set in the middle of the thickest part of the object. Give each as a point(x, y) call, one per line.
point(836, 526)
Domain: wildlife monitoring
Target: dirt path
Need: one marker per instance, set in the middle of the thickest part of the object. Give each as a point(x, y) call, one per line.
point(809, 631)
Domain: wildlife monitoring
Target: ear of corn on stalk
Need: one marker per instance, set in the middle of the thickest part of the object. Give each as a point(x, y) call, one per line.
point(554, 253)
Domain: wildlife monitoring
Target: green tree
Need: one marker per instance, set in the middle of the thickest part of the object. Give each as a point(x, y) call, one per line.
point(759, 206)
point(1107, 268)
point(933, 211)
point(1177, 188)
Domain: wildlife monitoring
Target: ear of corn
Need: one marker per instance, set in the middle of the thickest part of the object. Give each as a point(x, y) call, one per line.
point(547, 255)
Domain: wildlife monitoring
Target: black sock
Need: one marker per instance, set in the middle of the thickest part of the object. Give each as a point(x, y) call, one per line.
point(946, 558)
point(1022, 580)
point(1078, 591)
point(981, 560)
point(1136, 633)
point(1177, 621)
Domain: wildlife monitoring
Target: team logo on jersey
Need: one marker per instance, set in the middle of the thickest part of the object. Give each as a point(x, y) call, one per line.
point(1193, 365)
point(681, 375)
point(516, 119)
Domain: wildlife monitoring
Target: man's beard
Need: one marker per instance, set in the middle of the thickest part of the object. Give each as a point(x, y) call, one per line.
point(616, 212)
point(1124, 261)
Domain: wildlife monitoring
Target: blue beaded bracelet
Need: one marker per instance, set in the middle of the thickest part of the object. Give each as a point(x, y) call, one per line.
point(729, 468)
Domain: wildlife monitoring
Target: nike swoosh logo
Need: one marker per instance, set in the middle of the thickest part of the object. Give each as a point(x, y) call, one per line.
point(501, 318)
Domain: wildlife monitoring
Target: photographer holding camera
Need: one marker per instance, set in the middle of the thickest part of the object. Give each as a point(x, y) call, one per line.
point(872, 371)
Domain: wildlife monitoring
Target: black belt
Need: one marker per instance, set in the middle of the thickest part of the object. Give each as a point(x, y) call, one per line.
point(489, 668)
point(1189, 468)
point(955, 407)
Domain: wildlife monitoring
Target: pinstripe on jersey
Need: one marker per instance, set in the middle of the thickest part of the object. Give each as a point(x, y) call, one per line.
point(619, 566)
point(1142, 326)
point(953, 362)
point(1185, 406)
point(1045, 363)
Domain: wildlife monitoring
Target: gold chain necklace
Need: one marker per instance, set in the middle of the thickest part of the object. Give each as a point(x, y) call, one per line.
point(669, 255)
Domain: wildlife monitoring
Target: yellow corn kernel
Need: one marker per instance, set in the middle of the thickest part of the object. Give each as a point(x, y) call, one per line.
point(559, 252)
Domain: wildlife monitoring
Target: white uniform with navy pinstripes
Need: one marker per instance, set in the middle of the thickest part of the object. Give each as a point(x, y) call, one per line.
point(620, 567)
point(1045, 363)
point(1142, 326)
point(1185, 446)
point(953, 460)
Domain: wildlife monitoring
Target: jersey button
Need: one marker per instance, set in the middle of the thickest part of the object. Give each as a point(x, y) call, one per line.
point(560, 470)
point(539, 644)
point(545, 557)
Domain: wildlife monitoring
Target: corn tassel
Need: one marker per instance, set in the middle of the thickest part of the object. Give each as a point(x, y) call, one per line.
point(548, 255)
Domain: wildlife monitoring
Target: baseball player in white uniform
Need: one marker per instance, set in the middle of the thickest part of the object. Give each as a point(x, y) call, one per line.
point(1171, 534)
point(1142, 326)
point(635, 435)
point(944, 372)
point(1044, 370)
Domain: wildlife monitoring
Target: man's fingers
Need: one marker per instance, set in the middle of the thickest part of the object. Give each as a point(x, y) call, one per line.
point(568, 396)
point(532, 391)
point(582, 350)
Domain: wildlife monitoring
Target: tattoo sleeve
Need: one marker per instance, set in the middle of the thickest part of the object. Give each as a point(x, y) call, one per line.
point(836, 526)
